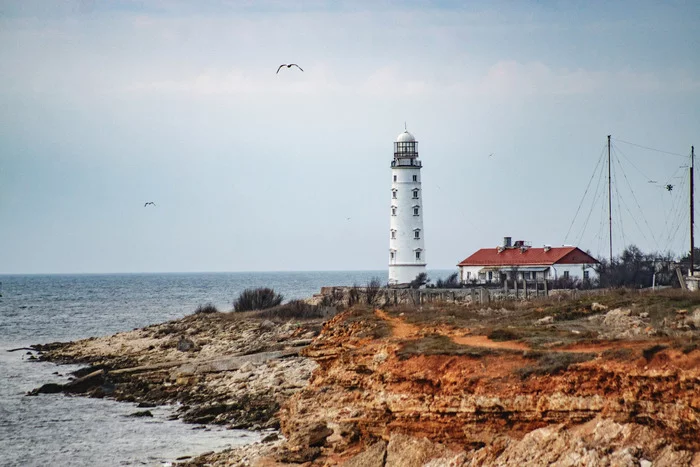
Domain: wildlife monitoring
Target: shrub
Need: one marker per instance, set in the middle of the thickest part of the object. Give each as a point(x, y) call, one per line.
point(257, 299)
point(295, 309)
point(500, 335)
point(452, 282)
point(372, 290)
point(354, 295)
point(208, 308)
point(552, 363)
point(649, 352)
point(420, 280)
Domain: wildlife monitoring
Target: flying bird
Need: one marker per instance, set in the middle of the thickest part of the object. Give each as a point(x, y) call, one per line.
point(491, 155)
point(149, 202)
point(669, 187)
point(288, 66)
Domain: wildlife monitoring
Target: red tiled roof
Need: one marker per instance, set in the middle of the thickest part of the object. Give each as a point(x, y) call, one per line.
point(531, 256)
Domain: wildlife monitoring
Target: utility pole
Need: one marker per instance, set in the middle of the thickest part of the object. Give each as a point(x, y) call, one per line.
point(610, 202)
point(692, 212)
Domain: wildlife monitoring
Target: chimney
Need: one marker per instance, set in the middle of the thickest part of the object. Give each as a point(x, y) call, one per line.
point(506, 242)
point(547, 248)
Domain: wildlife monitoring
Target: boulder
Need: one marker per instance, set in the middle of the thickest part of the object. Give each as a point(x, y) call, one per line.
point(374, 456)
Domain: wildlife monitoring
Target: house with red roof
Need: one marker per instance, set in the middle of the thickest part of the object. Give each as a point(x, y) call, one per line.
point(518, 260)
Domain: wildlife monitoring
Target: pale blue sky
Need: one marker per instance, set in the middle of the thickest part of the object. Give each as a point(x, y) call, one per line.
point(107, 104)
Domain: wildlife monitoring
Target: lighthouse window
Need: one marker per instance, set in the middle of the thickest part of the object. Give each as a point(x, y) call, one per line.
point(393, 210)
point(394, 177)
point(415, 178)
point(417, 254)
point(392, 255)
point(393, 234)
point(415, 194)
point(415, 211)
point(393, 194)
point(416, 234)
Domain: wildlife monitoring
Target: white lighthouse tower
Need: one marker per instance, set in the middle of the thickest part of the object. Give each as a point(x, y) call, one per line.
point(406, 237)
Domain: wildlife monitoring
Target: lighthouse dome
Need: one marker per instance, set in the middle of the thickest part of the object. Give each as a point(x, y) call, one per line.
point(405, 137)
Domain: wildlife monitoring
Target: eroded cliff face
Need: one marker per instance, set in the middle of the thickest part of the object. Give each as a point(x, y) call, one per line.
point(552, 392)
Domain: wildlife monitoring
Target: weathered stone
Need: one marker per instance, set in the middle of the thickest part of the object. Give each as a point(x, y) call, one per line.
point(373, 456)
point(406, 451)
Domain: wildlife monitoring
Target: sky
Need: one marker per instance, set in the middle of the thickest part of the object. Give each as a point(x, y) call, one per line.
point(105, 105)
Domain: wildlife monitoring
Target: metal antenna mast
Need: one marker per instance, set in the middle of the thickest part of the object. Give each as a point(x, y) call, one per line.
point(692, 211)
point(610, 201)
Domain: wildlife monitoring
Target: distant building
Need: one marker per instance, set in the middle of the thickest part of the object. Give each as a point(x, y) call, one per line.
point(406, 236)
point(520, 261)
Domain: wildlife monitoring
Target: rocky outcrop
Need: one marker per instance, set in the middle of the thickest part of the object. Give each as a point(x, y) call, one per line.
point(595, 402)
point(222, 368)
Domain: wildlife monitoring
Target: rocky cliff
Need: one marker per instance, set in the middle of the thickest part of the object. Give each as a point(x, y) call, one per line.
point(575, 385)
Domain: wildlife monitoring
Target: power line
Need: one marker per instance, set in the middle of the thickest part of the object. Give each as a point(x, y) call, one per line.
point(651, 149)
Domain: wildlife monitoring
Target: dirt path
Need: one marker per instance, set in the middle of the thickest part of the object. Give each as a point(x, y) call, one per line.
point(399, 328)
point(483, 341)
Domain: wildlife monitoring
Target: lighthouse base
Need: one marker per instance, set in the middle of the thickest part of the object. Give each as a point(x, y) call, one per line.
point(401, 274)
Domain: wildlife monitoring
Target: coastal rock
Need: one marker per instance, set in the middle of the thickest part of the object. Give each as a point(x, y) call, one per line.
point(374, 456)
point(185, 345)
point(407, 451)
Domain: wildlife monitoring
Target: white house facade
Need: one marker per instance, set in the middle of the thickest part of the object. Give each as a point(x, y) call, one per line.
point(406, 235)
point(522, 262)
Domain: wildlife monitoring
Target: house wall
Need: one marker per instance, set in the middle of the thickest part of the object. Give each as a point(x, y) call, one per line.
point(574, 270)
point(467, 273)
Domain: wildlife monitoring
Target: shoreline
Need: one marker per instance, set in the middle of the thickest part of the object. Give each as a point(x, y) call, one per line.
point(229, 369)
point(610, 378)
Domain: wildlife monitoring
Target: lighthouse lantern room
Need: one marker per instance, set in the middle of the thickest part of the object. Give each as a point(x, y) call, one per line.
point(406, 236)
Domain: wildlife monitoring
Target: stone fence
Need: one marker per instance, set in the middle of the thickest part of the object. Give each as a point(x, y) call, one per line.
point(343, 295)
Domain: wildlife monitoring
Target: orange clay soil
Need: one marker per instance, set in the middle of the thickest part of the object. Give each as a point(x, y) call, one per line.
point(380, 375)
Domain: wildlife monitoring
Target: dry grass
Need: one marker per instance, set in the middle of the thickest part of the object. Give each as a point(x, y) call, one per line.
point(552, 363)
point(437, 344)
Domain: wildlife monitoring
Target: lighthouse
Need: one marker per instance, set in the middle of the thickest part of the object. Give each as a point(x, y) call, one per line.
point(406, 236)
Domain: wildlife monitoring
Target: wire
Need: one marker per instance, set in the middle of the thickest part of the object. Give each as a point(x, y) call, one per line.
point(596, 195)
point(632, 164)
point(651, 149)
point(634, 197)
point(600, 158)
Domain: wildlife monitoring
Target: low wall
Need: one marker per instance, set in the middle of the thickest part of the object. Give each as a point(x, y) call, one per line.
point(345, 296)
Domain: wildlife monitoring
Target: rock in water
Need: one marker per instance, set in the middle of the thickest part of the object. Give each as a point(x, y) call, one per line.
point(141, 413)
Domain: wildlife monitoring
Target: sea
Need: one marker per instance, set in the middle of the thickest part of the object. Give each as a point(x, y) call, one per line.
point(60, 430)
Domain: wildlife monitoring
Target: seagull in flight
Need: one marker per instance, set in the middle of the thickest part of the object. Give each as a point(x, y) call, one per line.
point(149, 202)
point(491, 155)
point(669, 187)
point(288, 66)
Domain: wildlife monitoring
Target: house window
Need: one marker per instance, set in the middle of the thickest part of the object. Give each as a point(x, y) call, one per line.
point(585, 275)
point(417, 255)
point(415, 194)
point(566, 274)
point(415, 211)
point(394, 177)
point(415, 178)
point(490, 276)
point(393, 233)
point(416, 234)
point(468, 274)
point(393, 210)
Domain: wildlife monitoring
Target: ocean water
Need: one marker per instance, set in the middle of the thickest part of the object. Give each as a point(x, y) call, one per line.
point(58, 430)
